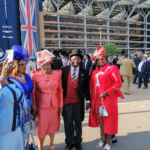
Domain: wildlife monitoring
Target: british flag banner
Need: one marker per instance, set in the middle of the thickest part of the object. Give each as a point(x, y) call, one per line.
point(28, 26)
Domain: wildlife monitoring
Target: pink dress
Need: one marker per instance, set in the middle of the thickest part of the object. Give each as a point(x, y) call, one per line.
point(47, 97)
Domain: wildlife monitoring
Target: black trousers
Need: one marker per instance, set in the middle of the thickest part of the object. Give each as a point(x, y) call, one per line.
point(72, 123)
point(144, 77)
point(135, 77)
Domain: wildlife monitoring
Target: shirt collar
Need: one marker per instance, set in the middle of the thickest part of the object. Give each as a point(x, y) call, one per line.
point(72, 68)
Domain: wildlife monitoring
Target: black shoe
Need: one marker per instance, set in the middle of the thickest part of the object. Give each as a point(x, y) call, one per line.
point(78, 147)
point(114, 140)
point(69, 147)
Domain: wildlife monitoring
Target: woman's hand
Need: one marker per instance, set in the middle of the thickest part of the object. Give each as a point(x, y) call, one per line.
point(60, 109)
point(104, 94)
point(8, 68)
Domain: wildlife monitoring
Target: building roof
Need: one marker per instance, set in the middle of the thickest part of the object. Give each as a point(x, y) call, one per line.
point(115, 9)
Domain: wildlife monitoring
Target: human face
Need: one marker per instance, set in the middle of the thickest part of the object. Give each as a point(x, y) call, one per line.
point(1, 67)
point(144, 58)
point(46, 68)
point(75, 61)
point(85, 57)
point(101, 61)
point(21, 66)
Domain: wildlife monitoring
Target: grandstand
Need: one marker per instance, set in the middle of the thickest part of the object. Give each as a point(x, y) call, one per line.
point(84, 24)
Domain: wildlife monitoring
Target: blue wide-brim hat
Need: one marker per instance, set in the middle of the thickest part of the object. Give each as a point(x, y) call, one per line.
point(3, 56)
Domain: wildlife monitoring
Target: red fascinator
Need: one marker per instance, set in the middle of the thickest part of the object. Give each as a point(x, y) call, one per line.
point(100, 51)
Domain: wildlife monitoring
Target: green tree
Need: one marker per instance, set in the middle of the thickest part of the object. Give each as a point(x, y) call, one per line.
point(112, 50)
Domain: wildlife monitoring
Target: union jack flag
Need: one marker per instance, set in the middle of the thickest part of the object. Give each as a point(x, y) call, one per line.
point(28, 26)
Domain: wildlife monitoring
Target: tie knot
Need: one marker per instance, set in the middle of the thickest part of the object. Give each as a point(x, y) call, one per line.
point(74, 69)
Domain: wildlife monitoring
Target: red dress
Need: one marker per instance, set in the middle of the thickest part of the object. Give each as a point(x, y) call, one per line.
point(110, 82)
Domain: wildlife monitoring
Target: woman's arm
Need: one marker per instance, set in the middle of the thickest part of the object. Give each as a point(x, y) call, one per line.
point(34, 95)
point(60, 95)
point(116, 79)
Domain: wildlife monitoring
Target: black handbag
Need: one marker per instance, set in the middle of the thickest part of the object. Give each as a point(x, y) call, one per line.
point(31, 146)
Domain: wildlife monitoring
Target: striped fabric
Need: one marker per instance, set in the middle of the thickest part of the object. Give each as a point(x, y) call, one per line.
point(74, 76)
point(2, 56)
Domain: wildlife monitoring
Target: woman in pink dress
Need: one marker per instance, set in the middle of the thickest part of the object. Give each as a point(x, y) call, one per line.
point(105, 84)
point(48, 98)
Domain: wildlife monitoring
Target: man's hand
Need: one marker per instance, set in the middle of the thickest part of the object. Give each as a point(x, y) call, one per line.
point(8, 68)
point(87, 106)
point(104, 94)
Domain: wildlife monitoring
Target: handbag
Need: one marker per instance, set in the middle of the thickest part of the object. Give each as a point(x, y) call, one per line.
point(102, 110)
point(32, 145)
point(26, 121)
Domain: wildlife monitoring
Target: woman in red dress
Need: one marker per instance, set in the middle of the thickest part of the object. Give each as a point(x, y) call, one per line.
point(105, 83)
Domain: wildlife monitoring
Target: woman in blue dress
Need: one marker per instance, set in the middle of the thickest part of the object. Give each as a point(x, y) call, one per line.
point(12, 108)
point(20, 60)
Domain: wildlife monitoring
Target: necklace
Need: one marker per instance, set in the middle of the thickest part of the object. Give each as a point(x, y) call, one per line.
point(20, 78)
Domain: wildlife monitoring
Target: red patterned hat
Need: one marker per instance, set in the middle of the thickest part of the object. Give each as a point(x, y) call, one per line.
point(100, 51)
point(43, 57)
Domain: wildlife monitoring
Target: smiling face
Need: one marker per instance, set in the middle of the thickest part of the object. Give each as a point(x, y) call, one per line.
point(75, 61)
point(101, 61)
point(46, 68)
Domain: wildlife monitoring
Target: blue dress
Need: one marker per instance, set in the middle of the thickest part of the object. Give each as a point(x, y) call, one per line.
point(27, 88)
point(9, 138)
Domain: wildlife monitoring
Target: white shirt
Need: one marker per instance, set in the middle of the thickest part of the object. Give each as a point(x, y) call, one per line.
point(97, 81)
point(77, 71)
point(64, 62)
point(86, 63)
point(140, 65)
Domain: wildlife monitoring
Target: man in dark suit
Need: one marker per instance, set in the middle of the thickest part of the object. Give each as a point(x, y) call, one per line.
point(57, 63)
point(87, 63)
point(143, 69)
point(75, 88)
point(136, 60)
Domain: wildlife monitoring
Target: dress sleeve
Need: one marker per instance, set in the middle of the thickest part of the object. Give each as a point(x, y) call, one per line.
point(116, 79)
point(34, 92)
point(61, 92)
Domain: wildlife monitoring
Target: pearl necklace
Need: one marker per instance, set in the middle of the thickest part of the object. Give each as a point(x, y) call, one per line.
point(20, 78)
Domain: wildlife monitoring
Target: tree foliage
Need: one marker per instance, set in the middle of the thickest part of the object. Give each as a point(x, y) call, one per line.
point(112, 50)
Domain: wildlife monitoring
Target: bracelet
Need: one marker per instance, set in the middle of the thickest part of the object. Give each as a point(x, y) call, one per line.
point(3, 78)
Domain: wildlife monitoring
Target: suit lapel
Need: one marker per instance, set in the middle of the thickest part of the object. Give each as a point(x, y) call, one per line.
point(66, 75)
point(80, 77)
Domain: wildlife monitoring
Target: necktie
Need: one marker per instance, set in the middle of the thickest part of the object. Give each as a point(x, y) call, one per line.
point(74, 76)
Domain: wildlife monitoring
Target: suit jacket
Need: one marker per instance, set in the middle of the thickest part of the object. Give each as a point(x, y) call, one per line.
point(47, 90)
point(145, 67)
point(137, 60)
point(57, 63)
point(126, 66)
point(83, 86)
point(88, 65)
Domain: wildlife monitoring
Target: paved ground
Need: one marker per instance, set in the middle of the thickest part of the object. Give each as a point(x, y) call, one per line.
point(134, 125)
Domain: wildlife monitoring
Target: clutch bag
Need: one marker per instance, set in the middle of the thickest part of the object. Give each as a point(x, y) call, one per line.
point(102, 111)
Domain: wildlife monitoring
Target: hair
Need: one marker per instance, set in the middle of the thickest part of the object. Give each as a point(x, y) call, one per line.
point(52, 66)
point(14, 72)
point(125, 55)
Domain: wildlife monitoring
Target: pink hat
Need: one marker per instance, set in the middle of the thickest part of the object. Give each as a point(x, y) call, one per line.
point(100, 51)
point(43, 57)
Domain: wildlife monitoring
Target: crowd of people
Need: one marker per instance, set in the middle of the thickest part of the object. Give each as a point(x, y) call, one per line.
point(39, 89)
